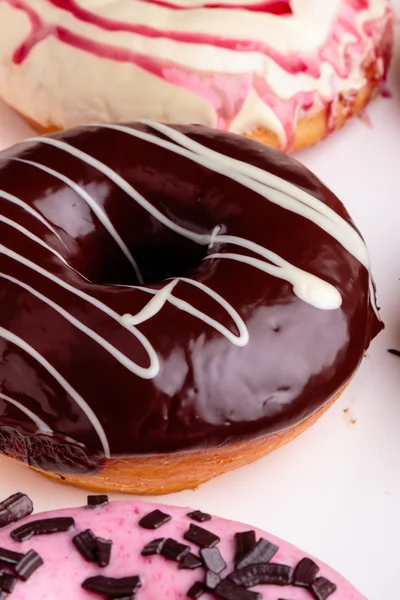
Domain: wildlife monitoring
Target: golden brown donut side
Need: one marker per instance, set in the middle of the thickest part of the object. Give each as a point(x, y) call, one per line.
point(156, 475)
point(309, 131)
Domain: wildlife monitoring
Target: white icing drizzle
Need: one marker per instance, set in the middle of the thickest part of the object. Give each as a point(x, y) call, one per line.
point(272, 188)
point(329, 220)
point(32, 236)
point(148, 311)
point(149, 373)
point(41, 425)
point(291, 198)
point(98, 211)
point(304, 284)
point(146, 373)
point(125, 186)
point(14, 200)
point(119, 356)
point(325, 297)
point(25, 347)
point(152, 307)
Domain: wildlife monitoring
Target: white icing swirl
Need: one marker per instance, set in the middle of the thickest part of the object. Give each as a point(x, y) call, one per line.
point(40, 424)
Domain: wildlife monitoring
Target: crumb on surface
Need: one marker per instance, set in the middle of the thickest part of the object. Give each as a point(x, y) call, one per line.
point(349, 418)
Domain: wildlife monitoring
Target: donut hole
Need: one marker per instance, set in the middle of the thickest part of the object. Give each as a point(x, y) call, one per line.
point(155, 263)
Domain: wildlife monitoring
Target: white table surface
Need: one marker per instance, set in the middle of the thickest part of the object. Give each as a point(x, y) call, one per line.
point(335, 492)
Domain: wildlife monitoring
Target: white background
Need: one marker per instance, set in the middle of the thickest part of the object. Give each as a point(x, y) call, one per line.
point(335, 492)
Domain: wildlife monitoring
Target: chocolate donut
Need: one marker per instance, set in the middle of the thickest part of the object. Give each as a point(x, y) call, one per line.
point(170, 296)
point(135, 549)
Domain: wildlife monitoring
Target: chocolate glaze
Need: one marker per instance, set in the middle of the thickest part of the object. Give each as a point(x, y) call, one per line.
point(208, 391)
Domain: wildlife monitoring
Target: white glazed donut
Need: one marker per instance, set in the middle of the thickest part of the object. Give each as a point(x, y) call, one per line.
point(286, 72)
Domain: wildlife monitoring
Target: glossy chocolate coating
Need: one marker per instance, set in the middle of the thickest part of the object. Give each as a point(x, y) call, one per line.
point(208, 391)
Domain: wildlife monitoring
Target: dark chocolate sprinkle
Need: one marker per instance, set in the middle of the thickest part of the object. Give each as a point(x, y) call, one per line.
point(97, 501)
point(305, 573)
point(28, 565)
point(244, 542)
point(213, 560)
point(20, 505)
point(14, 508)
point(9, 557)
point(5, 517)
point(262, 552)
point(212, 580)
point(153, 547)
point(199, 516)
point(103, 551)
point(196, 590)
point(266, 573)
point(92, 548)
point(201, 537)
point(8, 582)
point(190, 561)
point(85, 543)
point(394, 351)
point(113, 588)
point(322, 588)
point(174, 550)
point(42, 527)
point(154, 520)
point(230, 591)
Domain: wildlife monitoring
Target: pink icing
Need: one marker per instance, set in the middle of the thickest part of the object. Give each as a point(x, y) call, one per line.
point(290, 62)
point(359, 4)
point(64, 569)
point(274, 7)
point(226, 93)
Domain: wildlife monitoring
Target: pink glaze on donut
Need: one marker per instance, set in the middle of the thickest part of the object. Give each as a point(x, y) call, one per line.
point(64, 569)
point(292, 63)
point(273, 7)
point(225, 92)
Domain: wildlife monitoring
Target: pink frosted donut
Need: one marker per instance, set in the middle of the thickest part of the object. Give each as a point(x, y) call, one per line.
point(286, 72)
point(148, 551)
